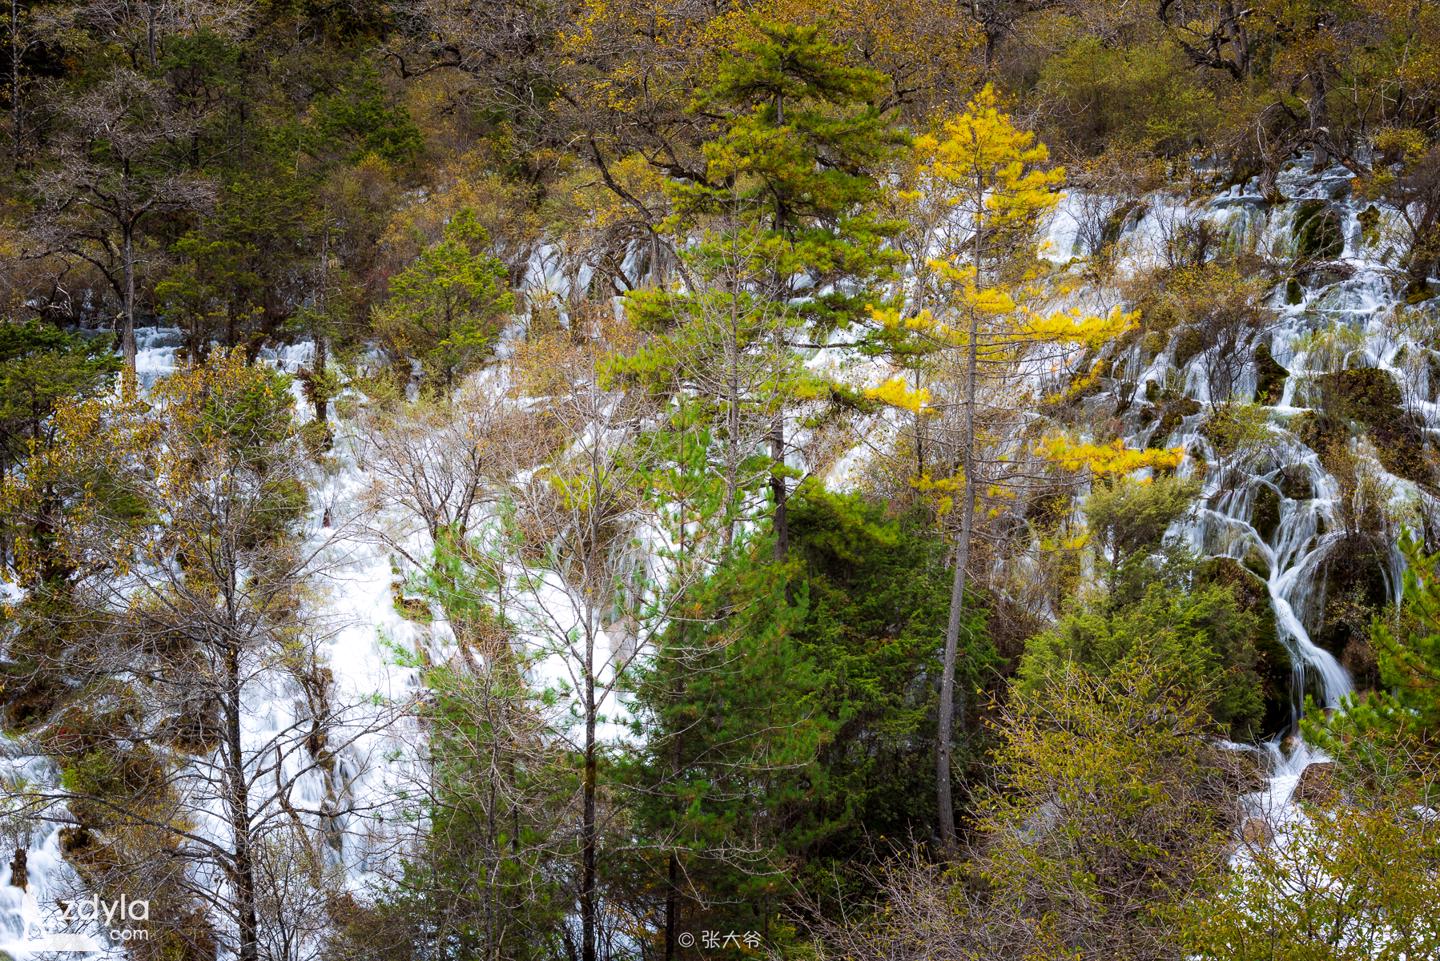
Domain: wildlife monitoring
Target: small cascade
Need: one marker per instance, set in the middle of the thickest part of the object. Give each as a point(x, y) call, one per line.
point(1278, 512)
point(353, 774)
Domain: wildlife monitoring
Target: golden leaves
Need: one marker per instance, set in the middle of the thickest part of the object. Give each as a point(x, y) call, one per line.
point(894, 392)
point(1112, 460)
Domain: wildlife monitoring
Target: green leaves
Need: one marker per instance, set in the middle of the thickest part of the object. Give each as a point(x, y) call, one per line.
point(1196, 636)
point(41, 365)
point(803, 728)
point(445, 309)
point(1389, 737)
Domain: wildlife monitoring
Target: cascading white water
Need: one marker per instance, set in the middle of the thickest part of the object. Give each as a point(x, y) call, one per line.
point(1356, 294)
point(1288, 558)
point(354, 592)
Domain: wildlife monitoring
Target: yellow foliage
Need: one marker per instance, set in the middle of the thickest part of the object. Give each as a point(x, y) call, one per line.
point(1113, 459)
point(896, 393)
point(1076, 327)
point(991, 164)
point(941, 492)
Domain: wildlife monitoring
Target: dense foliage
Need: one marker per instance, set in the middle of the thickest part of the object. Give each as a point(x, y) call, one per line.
point(566, 479)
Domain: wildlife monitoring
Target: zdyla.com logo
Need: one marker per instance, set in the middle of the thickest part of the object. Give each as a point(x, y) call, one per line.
point(85, 925)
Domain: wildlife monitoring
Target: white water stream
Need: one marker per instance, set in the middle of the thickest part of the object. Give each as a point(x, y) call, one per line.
point(1289, 559)
point(1351, 300)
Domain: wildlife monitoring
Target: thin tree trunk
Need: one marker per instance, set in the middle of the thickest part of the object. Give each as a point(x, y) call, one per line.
point(672, 868)
point(733, 454)
point(150, 53)
point(951, 701)
point(127, 330)
point(587, 825)
point(322, 401)
point(949, 696)
point(238, 801)
point(777, 488)
point(15, 116)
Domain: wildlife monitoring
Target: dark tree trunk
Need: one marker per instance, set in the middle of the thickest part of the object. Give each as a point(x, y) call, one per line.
point(587, 826)
point(777, 488)
point(242, 873)
point(127, 319)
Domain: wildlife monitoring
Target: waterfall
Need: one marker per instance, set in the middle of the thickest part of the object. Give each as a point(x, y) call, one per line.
point(1349, 296)
point(1288, 550)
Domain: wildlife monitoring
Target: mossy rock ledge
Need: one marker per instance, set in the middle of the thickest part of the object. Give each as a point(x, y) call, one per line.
point(1319, 233)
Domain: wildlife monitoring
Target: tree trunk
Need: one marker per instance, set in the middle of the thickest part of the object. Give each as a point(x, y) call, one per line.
point(127, 320)
point(1319, 118)
point(318, 395)
point(733, 454)
point(150, 53)
point(672, 905)
point(949, 696)
point(15, 116)
point(587, 824)
point(672, 868)
point(777, 488)
point(951, 701)
point(238, 802)
point(321, 400)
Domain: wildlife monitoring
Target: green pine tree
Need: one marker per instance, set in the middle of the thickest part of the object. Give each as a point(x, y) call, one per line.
point(445, 309)
point(784, 741)
point(783, 242)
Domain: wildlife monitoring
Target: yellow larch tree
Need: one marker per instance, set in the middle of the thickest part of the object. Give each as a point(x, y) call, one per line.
point(975, 321)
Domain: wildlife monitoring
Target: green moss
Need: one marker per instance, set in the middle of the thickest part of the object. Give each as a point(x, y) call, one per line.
point(1365, 394)
point(1255, 562)
point(1191, 339)
point(1319, 233)
point(1294, 293)
point(1319, 431)
point(1265, 515)
point(1173, 409)
point(1295, 484)
point(1270, 382)
point(1369, 225)
point(1419, 292)
point(1368, 399)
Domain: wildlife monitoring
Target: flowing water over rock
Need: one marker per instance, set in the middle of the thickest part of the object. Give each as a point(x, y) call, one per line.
point(1310, 504)
point(1279, 510)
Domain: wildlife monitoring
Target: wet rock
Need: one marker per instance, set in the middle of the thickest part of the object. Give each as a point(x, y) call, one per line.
point(1324, 274)
point(1358, 658)
point(1270, 379)
point(1319, 232)
point(1176, 409)
point(1124, 215)
point(1371, 398)
point(1256, 832)
point(1265, 515)
point(1369, 225)
point(1294, 483)
point(1255, 563)
point(19, 868)
point(1317, 783)
point(1294, 293)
